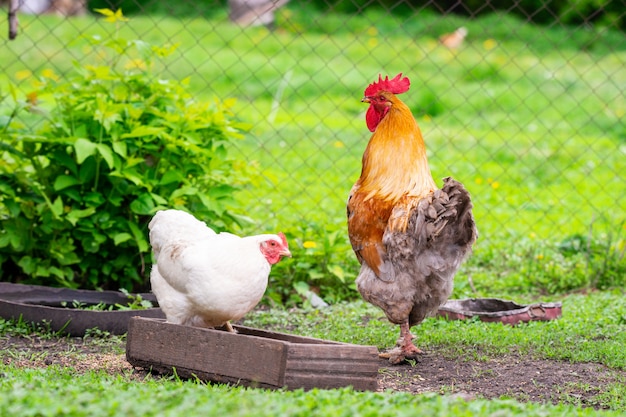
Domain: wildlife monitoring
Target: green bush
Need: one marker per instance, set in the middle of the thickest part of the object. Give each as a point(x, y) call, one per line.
point(323, 263)
point(114, 144)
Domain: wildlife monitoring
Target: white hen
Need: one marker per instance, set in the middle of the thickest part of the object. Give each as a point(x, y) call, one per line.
point(205, 279)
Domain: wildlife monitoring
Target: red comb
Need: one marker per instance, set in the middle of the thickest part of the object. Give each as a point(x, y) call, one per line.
point(283, 238)
point(396, 85)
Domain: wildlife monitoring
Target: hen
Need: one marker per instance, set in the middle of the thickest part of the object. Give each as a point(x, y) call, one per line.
point(205, 279)
point(409, 236)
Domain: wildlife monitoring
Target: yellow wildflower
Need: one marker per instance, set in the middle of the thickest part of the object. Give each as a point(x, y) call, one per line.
point(135, 64)
point(23, 74)
point(489, 44)
point(309, 244)
point(48, 73)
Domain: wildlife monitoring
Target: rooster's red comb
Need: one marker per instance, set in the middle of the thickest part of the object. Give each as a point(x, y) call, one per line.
point(396, 85)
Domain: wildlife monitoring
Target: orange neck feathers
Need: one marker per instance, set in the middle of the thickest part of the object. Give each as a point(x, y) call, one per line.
point(395, 162)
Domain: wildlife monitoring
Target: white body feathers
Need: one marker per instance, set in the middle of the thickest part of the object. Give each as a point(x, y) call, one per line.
point(201, 278)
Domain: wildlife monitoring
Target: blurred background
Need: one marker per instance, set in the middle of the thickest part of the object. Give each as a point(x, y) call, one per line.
point(524, 102)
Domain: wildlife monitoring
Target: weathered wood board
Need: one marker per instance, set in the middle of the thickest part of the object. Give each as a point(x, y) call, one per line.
point(252, 357)
point(35, 303)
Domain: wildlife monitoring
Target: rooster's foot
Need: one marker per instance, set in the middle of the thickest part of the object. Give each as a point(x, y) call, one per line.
point(401, 354)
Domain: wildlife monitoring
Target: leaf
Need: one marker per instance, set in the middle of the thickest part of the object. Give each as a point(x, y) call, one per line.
point(75, 215)
point(112, 16)
point(142, 131)
point(143, 204)
point(84, 149)
point(158, 199)
point(129, 174)
point(105, 12)
point(87, 171)
point(120, 148)
point(121, 238)
point(338, 271)
point(171, 176)
point(139, 237)
point(57, 207)
point(64, 181)
point(107, 154)
point(68, 258)
point(28, 265)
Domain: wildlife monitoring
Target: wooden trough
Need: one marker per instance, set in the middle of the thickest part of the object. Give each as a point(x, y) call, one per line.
point(252, 357)
point(36, 303)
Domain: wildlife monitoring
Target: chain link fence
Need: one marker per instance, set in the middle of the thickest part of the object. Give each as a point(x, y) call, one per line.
point(524, 102)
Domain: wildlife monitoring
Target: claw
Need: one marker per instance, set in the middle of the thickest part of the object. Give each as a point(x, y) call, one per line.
point(398, 355)
point(405, 348)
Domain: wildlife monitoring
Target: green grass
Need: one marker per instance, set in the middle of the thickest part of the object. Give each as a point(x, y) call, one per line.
point(61, 392)
point(590, 330)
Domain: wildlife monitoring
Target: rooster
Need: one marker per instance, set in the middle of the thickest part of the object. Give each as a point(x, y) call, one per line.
point(409, 236)
point(204, 279)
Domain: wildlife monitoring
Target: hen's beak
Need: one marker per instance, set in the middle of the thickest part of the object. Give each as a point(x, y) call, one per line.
point(285, 253)
point(366, 99)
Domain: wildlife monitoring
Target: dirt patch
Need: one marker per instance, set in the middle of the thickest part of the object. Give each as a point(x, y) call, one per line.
point(512, 375)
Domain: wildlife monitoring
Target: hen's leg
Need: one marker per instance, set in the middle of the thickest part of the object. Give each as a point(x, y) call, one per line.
point(227, 327)
point(405, 348)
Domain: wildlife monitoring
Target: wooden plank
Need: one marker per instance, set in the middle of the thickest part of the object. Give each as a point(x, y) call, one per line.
point(332, 366)
point(309, 381)
point(284, 336)
point(214, 352)
point(253, 357)
point(332, 351)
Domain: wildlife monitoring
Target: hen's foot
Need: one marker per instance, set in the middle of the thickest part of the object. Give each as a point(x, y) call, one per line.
point(227, 327)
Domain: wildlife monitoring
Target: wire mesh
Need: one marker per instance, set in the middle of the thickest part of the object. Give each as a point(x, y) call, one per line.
point(524, 102)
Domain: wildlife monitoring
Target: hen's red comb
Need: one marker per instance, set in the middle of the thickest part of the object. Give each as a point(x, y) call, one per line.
point(283, 238)
point(396, 85)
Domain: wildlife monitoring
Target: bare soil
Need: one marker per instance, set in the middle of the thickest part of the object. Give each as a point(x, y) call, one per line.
point(512, 375)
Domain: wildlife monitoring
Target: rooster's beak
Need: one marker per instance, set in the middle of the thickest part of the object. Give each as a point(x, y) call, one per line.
point(366, 100)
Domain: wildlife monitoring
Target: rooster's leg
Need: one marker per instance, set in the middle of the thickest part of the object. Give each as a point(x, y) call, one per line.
point(405, 348)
